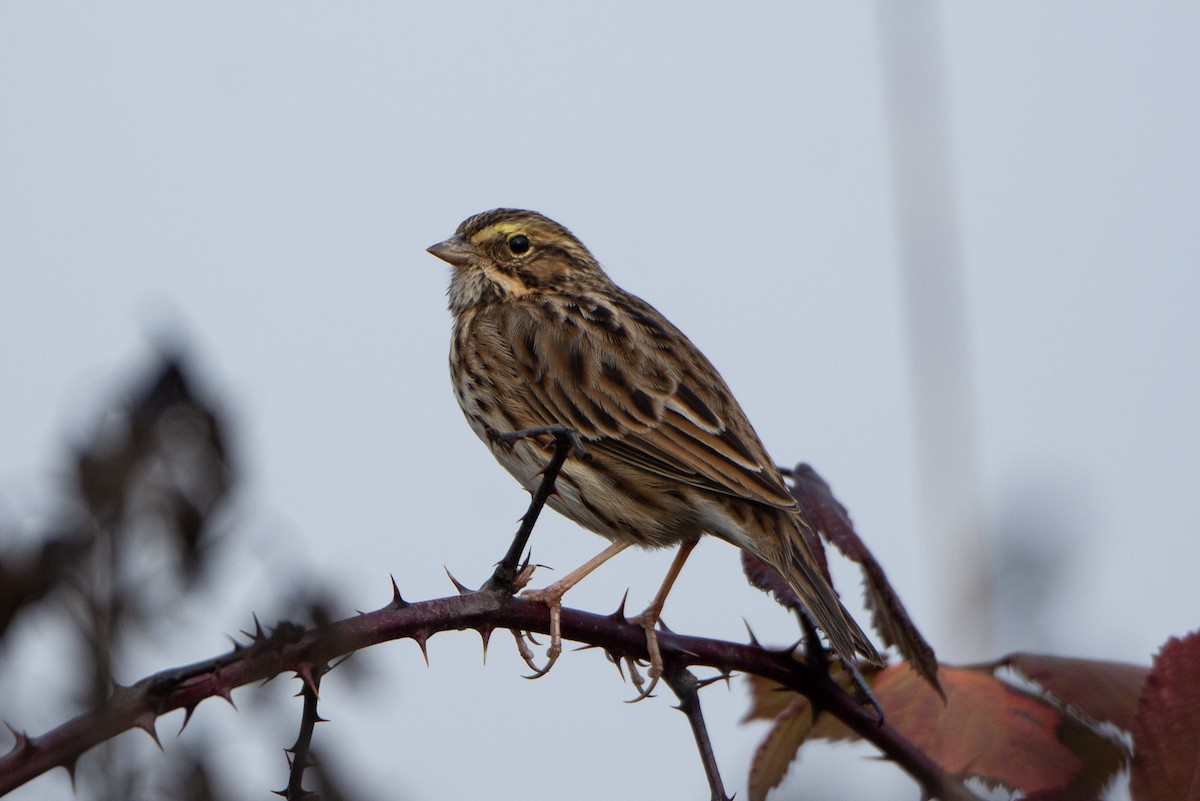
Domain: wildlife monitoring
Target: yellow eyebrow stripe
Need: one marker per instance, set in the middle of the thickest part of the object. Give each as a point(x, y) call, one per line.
point(497, 231)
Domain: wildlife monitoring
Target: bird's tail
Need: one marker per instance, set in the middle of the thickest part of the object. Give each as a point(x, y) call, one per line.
point(789, 554)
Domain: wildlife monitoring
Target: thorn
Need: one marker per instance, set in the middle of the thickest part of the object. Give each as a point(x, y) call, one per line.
point(237, 646)
point(662, 624)
point(145, 722)
point(702, 683)
point(619, 615)
point(225, 692)
point(69, 766)
point(462, 589)
point(753, 640)
point(791, 649)
point(397, 601)
point(257, 635)
point(305, 674)
point(187, 718)
point(612, 656)
point(420, 638)
point(616, 660)
point(21, 738)
point(485, 634)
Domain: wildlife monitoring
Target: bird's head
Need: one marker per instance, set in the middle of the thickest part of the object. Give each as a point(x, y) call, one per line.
point(505, 253)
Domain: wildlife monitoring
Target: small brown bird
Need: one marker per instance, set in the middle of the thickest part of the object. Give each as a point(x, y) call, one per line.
point(542, 336)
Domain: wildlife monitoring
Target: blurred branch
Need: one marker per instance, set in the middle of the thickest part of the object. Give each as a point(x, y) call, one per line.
point(27, 578)
point(308, 652)
point(300, 754)
point(687, 689)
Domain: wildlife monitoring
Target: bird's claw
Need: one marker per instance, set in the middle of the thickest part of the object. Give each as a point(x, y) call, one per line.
point(524, 575)
point(552, 598)
point(526, 654)
point(645, 687)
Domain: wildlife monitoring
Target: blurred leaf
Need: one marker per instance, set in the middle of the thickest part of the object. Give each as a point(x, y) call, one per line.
point(767, 699)
point(1104, 691)
point(777, 750)
point(792, 726)
point(26, 578)
point(891, 619)
point(1166, 730)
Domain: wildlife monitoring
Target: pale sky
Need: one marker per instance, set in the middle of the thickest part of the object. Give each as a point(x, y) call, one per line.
point(260, 181)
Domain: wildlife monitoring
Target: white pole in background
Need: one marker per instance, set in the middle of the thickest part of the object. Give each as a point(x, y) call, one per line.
point(943, 404)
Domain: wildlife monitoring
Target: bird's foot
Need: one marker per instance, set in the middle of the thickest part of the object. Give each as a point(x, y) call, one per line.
point(552, 597)
point(648, 620)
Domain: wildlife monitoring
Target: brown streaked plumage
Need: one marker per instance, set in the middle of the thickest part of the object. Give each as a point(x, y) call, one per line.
point(542, 336)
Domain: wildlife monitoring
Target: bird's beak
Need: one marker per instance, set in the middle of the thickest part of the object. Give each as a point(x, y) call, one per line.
point(455, 250)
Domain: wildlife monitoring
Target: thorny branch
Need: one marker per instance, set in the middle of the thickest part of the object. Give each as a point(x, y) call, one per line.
point(300, 754)
point(308, 652)
point(687, 689)
point(291, 648)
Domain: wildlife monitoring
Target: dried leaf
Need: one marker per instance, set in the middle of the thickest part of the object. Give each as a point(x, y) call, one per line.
point(767, 699)
point(891, 619)
point(1104, 691)
point(1166, 730)
point(777, 750)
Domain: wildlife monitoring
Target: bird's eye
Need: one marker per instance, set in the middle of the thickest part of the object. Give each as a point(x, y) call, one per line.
point(519, 243)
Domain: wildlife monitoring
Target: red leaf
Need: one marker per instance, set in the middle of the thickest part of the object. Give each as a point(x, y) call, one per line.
point(1104, 691)
point(763, 576)
point(1166, 731)
point(985, 728)
point(1060, 794)
point(818, 505)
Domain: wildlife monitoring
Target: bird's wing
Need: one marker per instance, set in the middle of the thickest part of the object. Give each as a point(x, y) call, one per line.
point(637, 390)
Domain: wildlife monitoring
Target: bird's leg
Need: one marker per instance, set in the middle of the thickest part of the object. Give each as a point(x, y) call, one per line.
point(649, 619)
point(552, 597)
